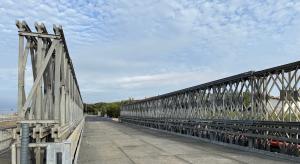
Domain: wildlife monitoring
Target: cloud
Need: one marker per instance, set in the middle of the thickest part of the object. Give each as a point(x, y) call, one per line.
point(145, 85)
point(133, 48)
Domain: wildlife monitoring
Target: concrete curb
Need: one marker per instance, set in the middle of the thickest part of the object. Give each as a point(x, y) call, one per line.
point(78, 144)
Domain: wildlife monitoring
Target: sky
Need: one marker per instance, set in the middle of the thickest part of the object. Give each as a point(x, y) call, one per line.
point(143, 48)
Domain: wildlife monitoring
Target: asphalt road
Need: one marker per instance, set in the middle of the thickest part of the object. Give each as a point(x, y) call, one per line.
point(105, 141)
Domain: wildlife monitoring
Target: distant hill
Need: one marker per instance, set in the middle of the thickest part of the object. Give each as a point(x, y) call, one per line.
point(111, 109)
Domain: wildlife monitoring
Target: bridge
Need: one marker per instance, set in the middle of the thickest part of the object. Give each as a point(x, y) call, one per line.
point(252, 117)
point(51, 111)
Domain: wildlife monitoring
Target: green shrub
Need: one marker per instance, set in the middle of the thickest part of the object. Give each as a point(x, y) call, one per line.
point(110, 109)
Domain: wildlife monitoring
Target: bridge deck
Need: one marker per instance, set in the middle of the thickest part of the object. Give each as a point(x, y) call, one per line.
point(106, 141)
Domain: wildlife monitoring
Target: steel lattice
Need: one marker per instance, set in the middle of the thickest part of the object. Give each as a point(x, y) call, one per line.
point(253, 109)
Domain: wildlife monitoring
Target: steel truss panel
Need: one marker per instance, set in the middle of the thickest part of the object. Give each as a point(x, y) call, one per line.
point(53, 107)
point(260, 105)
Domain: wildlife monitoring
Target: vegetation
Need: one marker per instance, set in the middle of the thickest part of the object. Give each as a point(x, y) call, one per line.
point(111, 109)
point(247, 98)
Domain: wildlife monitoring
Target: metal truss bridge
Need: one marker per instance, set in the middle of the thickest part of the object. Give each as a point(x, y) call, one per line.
point(256, 111)
point(259, 110)
point(51, 111)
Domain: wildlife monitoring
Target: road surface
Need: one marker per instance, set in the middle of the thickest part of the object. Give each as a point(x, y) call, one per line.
point(109, 142)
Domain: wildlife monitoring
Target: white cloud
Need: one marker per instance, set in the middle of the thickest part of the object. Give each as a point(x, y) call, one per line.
point(124, 48)
point(139, 86)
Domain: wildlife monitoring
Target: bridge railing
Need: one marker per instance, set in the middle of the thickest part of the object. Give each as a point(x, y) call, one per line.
point(6, 138)
point(7, 124)
point(271, 94)
point(253, 107)
point(53, 106)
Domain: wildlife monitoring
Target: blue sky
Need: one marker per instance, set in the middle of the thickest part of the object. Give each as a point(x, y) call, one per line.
point(141, 48)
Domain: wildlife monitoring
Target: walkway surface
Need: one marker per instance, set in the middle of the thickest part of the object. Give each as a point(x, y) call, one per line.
point(109, 142)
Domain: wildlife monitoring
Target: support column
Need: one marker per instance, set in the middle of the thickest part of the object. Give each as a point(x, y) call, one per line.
point(21, 98)
point(24, 144)
point(57, 80)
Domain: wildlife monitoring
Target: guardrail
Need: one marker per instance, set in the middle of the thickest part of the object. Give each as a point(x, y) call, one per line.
point(6, 138)
point(7, 124)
